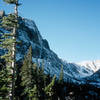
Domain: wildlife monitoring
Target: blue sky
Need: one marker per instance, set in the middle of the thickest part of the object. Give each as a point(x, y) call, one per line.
point(72, 27)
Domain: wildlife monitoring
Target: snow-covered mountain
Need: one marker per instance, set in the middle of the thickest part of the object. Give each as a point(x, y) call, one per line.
point(29, 34)
point(93, 65)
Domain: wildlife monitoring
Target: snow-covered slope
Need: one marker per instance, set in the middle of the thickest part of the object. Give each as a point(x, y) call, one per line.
point(29, 34)
point(93, 65)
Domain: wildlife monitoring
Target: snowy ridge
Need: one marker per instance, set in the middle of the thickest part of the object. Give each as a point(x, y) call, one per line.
point(92, 65)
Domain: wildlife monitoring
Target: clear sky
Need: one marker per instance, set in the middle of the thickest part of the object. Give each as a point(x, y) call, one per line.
point(72, 27)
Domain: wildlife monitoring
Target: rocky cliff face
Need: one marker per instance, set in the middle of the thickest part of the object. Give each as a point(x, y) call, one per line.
point(29, 35)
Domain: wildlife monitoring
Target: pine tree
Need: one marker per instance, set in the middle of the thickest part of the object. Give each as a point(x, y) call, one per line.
point(9, 41)
point(44, 77)
point(40, 80)
point(60, 81)
point(59, 86)
point(49, 88)
point(4, 83)
point(34, 93)
point(27, 73)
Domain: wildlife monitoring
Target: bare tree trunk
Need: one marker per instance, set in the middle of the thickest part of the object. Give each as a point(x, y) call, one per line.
point(13, 64)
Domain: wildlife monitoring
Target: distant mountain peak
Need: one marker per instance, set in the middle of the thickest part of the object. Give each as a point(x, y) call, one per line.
point(93, 65)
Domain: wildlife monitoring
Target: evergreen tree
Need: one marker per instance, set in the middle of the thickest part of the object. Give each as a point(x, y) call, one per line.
point(34, 93)
point(44, 77)
point(60, 85)
point(35, 83)
point(49, 88)
point(60, 81)
point(4, 83)
point(27, 74)
point(9, 41)
point(40, 81)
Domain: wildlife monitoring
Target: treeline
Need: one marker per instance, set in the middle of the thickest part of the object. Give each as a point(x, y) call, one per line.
point(31, 83)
